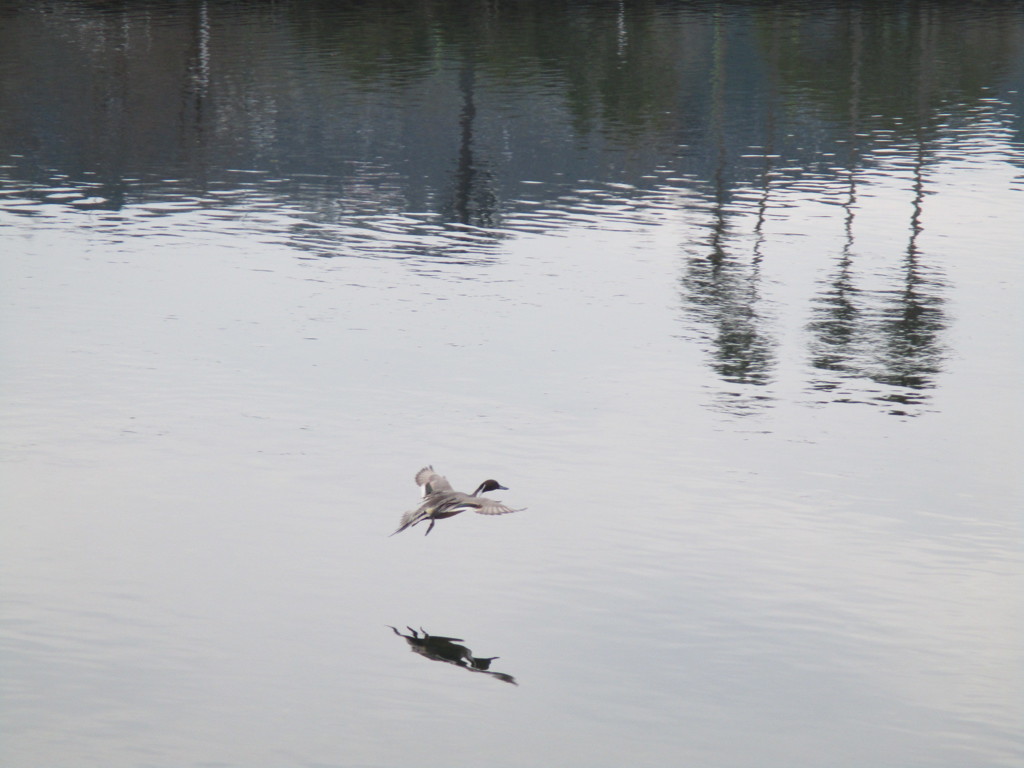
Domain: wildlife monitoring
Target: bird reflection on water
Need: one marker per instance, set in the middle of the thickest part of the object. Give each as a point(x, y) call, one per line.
point(446, 649)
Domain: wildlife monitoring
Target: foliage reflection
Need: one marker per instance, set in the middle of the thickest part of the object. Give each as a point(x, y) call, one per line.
point(431, 130)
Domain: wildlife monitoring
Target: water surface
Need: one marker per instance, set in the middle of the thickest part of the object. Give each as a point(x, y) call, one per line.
point(727, 295)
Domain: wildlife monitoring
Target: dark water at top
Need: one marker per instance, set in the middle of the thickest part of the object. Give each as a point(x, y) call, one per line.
point(727, 294)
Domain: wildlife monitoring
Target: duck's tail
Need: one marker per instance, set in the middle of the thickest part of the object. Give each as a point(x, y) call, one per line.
point(409, 519)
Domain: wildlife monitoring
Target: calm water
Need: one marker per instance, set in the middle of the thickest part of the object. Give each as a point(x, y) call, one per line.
point(728, 295)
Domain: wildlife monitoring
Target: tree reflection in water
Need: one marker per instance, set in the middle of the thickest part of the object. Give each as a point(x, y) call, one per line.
point(722, 293)
point(446, 649)
point(431, 131)
point(910, 350)
point(867, 345)
point(898, 343)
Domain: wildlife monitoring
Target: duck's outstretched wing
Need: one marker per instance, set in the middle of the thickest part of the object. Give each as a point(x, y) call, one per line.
point(431, 482)
point(492, 507)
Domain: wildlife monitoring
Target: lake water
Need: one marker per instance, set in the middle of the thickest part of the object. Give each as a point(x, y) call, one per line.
point(729, 295)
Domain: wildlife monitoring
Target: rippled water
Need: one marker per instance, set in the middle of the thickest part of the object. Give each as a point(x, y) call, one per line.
point(728, 296)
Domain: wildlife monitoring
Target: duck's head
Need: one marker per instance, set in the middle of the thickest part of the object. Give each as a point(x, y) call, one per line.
point(489, 485)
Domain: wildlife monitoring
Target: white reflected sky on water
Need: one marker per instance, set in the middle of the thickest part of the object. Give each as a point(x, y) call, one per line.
point(209, 436)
